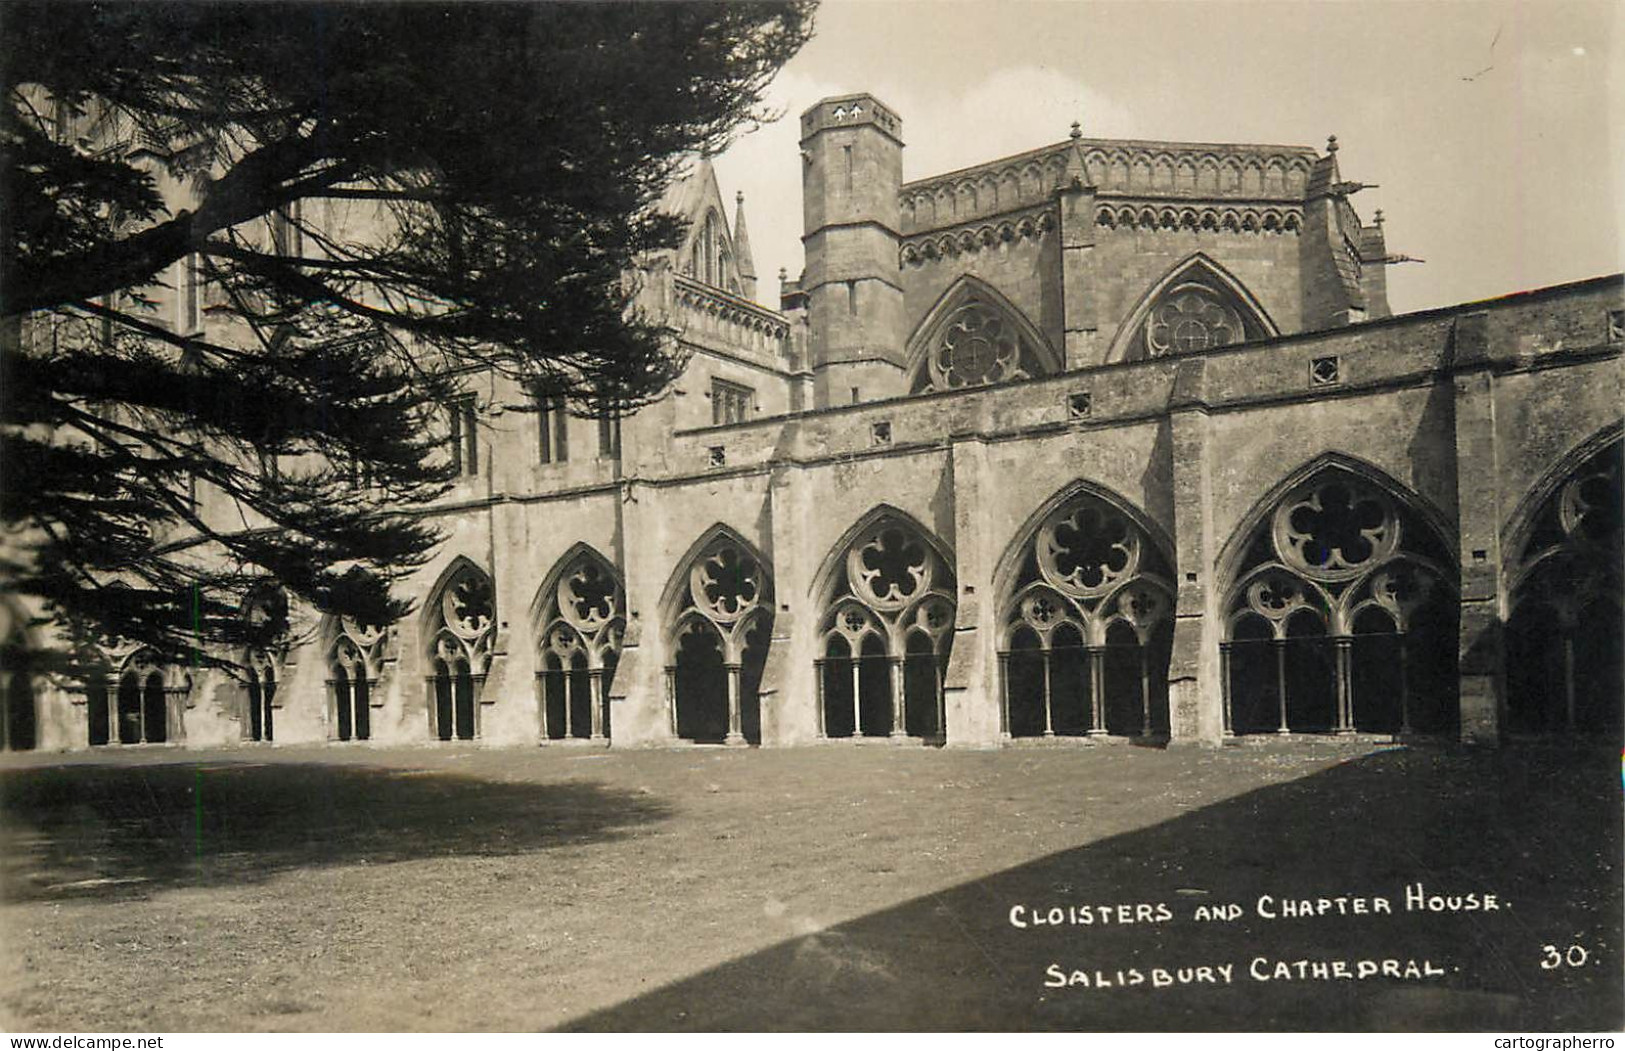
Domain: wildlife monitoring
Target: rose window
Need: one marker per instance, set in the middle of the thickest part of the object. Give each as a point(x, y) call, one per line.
point(727, 583)
point(890, 569)
point(1336, 530)
point(1191, 319)
point(1087, 550)
point(1591, 506)
point(977, 346)
point(588, 595)
point(468, 605)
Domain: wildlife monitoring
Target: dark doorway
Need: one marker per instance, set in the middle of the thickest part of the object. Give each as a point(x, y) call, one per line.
point(701, 687)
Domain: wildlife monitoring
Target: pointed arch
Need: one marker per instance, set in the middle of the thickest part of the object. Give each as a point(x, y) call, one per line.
point(1521, 522)
point(1086, 599)
point(886, 596)
point(1009, 563)
point(1441, 527)
point(459, 622)
point(1565, 579)
point(579, 620)
point(1197, 290)
point(1340, 607)
point(833, 564)
point(974, 335)
point(716, 613)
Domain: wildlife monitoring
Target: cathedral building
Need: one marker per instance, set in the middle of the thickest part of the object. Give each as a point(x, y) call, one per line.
point(1112, 440)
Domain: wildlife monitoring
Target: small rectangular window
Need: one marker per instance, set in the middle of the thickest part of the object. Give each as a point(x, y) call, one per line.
point(552, 435)
point(287, 236)
point(188, 295)
point(609, 437)
point(730, 402)
point(464, 437)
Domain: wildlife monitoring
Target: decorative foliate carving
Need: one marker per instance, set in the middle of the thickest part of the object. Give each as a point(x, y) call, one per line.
point(894, 583)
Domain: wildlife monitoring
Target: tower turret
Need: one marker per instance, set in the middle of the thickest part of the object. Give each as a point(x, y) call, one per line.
point(852, 170)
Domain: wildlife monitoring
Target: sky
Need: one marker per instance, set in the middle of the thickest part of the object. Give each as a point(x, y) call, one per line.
point(1494, 131)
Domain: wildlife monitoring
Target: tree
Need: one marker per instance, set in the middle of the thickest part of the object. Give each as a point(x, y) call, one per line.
point(373, 201)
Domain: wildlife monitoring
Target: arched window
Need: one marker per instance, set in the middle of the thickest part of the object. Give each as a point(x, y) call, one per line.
point(1342, 617)
point(719, 644)
point(463, 625)
point(579, 642)
point(143, 715)
point(1563, 635)
point(887, 630)
point(1196, 306)
point(266, 613)
point(975, 336)
point(1088, 628)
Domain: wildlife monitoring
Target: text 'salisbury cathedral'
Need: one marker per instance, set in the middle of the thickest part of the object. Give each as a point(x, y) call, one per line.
point(1109, 440)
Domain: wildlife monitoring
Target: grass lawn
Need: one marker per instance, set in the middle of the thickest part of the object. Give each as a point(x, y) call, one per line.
point(819, 888)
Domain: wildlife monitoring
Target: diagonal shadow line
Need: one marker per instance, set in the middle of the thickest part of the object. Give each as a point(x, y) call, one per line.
point(116, 831)
point(1541, 830)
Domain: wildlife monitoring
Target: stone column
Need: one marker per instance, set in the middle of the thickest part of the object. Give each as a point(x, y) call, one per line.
point(596, 680)
point(736, 733)
point(899, 703)
point(790, 713)
point(1097, 691)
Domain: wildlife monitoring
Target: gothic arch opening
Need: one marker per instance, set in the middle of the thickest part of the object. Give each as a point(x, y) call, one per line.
point(461, 627)
point(1563, 655)
point(266, 613)
point(1342, 615)
point(721, 611)
point(975, 336)
point(581, 620)
point(1196, 306)
point(355, 658)
point(888, 602)
point(1087, 628)
point(142, 712)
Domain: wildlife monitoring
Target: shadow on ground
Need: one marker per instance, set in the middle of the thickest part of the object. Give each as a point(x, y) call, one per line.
point(106, 831)
point(1540, 830)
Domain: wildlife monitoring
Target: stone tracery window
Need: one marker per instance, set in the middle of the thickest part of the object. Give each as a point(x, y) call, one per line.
point(1088, 628)
point(1191, 317)
point(266, 612)
point(355, 661)
point(719, 645)
point(1342, 617)
point(887, 631)
point(460, 652)
point(1563, 656)
point(579, 641)
point(974, 339)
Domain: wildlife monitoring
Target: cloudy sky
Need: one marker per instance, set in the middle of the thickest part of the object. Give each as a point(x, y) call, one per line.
point(1493, 129)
